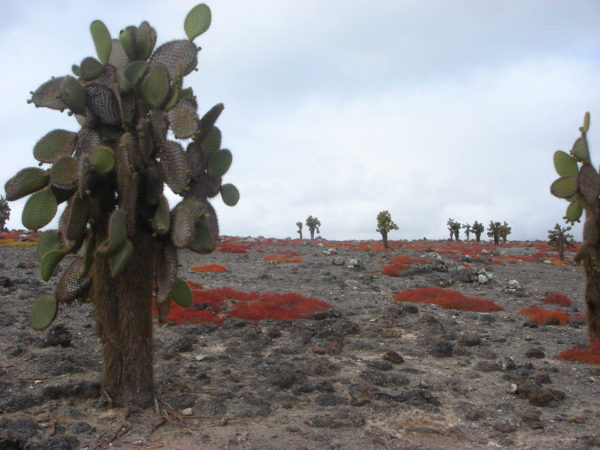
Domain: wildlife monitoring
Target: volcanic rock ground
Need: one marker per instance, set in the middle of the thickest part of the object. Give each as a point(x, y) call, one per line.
point(263, 386)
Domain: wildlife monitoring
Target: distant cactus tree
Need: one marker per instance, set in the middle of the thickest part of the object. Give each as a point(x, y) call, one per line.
point(504, 231)
point(299, 224)
point(579, 183)
point(559, 238)
point(467, 229)
point(454, 228)
point(111, 174)
point(313, 224)
point(478, 230)
point(385, 225)
point(4, 212)
point(494, 231)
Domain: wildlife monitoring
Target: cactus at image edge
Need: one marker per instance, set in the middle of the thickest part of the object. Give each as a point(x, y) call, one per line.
point(111, 175)
point(579, 184)
point(478, 230)
point(299, 225)
point(385, 225)
point(4, 212)
point(559, 237)
point(313, 224)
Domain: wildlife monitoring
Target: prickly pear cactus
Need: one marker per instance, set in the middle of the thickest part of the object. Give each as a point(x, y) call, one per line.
point(299, 225)
point(133, 108)
point(478, 230)
point(313, 224)
point(4, 212)
point(454, 228)
point(468, 230)
point(494, 231)
point(579, 184)
point(385, 225)
point(560, 237)
point(503, 231)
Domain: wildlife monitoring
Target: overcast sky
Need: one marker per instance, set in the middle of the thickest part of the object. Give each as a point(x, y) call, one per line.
point(342, 109)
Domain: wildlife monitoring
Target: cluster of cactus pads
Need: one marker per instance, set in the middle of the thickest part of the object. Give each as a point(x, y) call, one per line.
point(384, 225)
point(112, 174)
point(559, 238)
point(4, 212)
point(579, 183)
point(313, 224)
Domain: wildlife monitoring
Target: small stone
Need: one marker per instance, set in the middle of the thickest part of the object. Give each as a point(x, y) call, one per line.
point(441, 349)
point(380, 365)
point(487, 366)
point(187, 412)
point(470, 339)
point(410, 309)
point(506, 424)
point(507, 364)
point(542, 378)
point(513, 284)
point(393, 357)
point(223, 422)
point(274, 333)
point(200, 357)
point(576, 419)
point(338, 261)
point(318, 350)
point(513, 388)
point(535, 353)
point(482, 279)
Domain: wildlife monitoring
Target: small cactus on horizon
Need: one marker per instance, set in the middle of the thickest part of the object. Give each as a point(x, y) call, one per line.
point(494, 231)
point(478, 230)
point(579, 183)
point(313, 224)
point(454, 228)
point(467, 229)
point(504, 231)
point(130, 103)
point(559, 238)
point(299, 224)
point(385, 225)
point(4, 212)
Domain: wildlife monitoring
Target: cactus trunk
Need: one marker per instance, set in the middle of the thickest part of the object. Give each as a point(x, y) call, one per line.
point(592, 300)
point(561, 249)
point(312, 233)
point(384, 238)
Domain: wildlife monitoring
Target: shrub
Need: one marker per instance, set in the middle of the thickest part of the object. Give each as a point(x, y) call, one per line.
point(209, 268)
point(583, 354)
point(556, 298)
point(447, 298)
point(543, 316)
point(404, 259)
point(288, 306)
point(234, 248)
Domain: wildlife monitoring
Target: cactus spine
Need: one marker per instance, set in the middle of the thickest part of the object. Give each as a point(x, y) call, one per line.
point(559, 238)
point(579, 183)
point(4, 212)
point(313, 224)
point(385, 225)
point(112, 175)
point(299, 225)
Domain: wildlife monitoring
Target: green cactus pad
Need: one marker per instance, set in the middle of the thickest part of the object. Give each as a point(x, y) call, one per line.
point(49, 241)
point(581, 253)
point(209, 119)
point(203, 241)
point(586, 122)
point(580, 150)
point(48, 95)
point(162, 217)
point(176, 87)
point(79, 215)
point(118, 58)
point(145, 40)
point(102, 101)
point(71, 285)
point(81, 120)
point(103, 159)
point(90, 68)
point(87, 140)
point(73, 94)
point(197, 21)
point(589, 183)
point(183, 119)
point(230, 194)
point(171, 53)
point(25, 182)
point(564, 164)
point(117, 237)
point(43, 312)
point(76, 70)
point(64, 173)
point(102, 40)
point(212, 186)
point(134, 71)
point(212, 143)
point(166, 272)
point(574, 212)
point(181, 293)
point(196, 158)
point(127, 39)
point(49, 263)
point(193, 207)
point(119, 261)
point(564, 187)
point(39, 210)
point(219, 163)
point(182, 227)
point(175, 165)
point(88, 256)
point(155, 86)
point(55, 145)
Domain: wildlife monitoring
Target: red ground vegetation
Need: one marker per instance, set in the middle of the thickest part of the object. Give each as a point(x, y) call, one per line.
point(209, 268)
point(527, 258)
point(556, 298)
point(288, 306)
point(284, 259)
point(404, 259)
point(288, 252)
point(543, 316)
point(447, 298)
point(583, 354)
point(497, 262)
point(234, 248)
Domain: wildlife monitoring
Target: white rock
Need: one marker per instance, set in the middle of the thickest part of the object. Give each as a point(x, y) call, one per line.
point(187, 412)
point(513, 284)
point(431, 256)
point(200, 357)
point(482, 279)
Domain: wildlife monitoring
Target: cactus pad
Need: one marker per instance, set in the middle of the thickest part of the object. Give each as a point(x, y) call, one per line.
point(574, 212)
point(197, 21)
point(171, 53)
point(48, 95)
point(212, 143)
point(55, 145)
point(25, 182)
point(209, 119)
point(79, 213)
point(127, 39)
point(73, 94)
point(166, 272)
point(134, 71)
point(182, 227)
point(103, 159)
point(43, 312)
point(72, 286)
point(117, 237)
point(90, 69)
point(102, 40)
point(64, 173)
point(39, 210)
point(196, 158)
point(145, 40)
point(230, 194)
point(102, 102)
point(586, 122)
point(181, 293)
point(219, 163)
point(87, 140)
point(581, 253)
point(564, 164)
point(589, 183)
point(564, 187)
point(580, 150)
point(212, 186)
point(119, 261)
point(49, 263)
point(49, 241)
point(118, 58)
point(162, 217)
point(175, 165)
point(155, 86)
point(183, 119)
